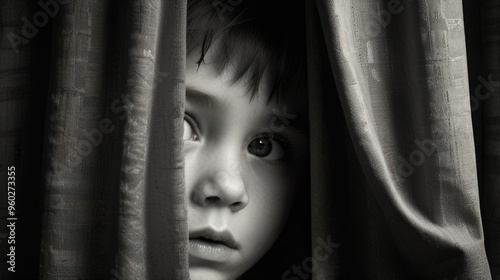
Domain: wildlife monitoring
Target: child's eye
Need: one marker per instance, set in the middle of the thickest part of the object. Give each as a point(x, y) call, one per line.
point(266, 147)
point(190, 129)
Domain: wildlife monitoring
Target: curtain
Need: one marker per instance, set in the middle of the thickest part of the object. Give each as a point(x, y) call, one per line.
point(98, 215)
point(403, 101)
point(400, 70)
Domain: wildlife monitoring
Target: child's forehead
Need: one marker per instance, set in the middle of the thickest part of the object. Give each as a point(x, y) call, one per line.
point(230, 73)
point(210, 74)
point(259, 80)
point(244, 57)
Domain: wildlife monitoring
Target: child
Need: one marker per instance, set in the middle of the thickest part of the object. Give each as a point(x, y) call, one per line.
point(245, 131)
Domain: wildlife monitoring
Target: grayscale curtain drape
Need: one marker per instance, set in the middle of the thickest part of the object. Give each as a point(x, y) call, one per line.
point(404, 121)
point(400, 69)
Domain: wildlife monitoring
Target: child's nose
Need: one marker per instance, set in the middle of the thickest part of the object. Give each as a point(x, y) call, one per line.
point(222, 187)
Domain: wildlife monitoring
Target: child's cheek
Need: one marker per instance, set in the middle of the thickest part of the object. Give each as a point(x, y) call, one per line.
point(261, 222)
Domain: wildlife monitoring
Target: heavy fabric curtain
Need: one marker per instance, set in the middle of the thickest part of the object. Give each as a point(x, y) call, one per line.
point(404, 123)
point(400, 70)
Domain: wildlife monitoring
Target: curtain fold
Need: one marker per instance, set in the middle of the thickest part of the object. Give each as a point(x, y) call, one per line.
point(102, 214)
point(166, 213)
point(401, 73)
point(327, 208)
point(76, 204)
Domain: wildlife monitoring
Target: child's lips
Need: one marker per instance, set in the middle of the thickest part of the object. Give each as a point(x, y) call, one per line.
point(210, 235)
point(215, 252)
point(211, 245)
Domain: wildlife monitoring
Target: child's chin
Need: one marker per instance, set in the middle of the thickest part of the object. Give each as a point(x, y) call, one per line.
point(205, 273)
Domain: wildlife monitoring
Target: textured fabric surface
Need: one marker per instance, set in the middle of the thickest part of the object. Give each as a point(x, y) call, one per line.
point(401, 73)
point(404, 123)
point(95, 187)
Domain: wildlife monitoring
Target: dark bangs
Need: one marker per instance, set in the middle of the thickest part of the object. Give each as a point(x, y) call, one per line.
point(252, 37)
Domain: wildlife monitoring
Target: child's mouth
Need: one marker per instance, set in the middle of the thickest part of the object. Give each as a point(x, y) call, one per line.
point(215, 237)
point(209, 241)
point(208, 244)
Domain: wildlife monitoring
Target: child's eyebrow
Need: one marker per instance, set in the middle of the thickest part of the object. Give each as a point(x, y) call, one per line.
point(202, 99)
point(275, 121)
point(292, 122)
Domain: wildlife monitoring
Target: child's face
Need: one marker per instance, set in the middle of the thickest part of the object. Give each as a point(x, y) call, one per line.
point(244, 161)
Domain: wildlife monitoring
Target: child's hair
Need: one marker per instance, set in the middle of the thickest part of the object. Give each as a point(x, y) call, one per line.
point(252, 36)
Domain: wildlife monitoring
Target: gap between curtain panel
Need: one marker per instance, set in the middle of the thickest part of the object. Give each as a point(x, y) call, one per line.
point(488, 98)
